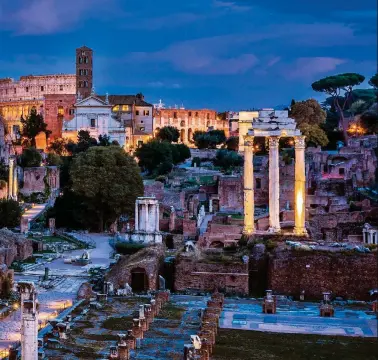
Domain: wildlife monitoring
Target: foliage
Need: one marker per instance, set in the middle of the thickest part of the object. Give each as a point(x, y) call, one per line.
point(58, 146)
point(3, 184)
point(125, 248)
point(315, 135)
point(210, 139)
point(6, 287)
point(180, 152)
point(153, 154)
point(109, 180)
point(84, 142)
point(374, 81)
point(53, 159)
point(333, 85)
point(4, 170)
point(161, 178)
point(369, 122)
point(227, 159)
point(232, 143)
point(34, 198)
point(10, 213)
point(308, 112)
point(32, 125)
point(104, 140)
point(357, 107)
point(168, 133)
point(31, 157)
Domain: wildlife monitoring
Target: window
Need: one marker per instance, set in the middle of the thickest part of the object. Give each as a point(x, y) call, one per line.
point(141, 128)
point(175, 115)
point(208, 116)
point(190, 113)
point(196, 115)
point(83, 53)
point(125, 108)
point(93, 123)
point(27, 89)
point(141, 122)
point(61, 87)
point(140, 143)
point(86, 60)
point(6, 91)
point(80, 60)
point(42, 88)
point(60, 110)
point(71, 111)
point(116, 108)
point(137, 112)
point(15, 90)
point(146, 112)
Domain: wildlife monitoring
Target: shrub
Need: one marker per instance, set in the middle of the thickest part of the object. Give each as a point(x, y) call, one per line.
point(53, 160)
point(31, 157)
point(227, 159)
point(10, 213)
point(196, 161)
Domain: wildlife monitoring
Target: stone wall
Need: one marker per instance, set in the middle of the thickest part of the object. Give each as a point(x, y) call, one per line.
point(206, 275)
point(230, 190)
point(350, 276)
point(14, 247)
point(36, 179)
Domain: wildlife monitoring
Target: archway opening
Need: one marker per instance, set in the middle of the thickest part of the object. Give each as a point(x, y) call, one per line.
point(190, 135)
point(182, 136)
point(139, 280)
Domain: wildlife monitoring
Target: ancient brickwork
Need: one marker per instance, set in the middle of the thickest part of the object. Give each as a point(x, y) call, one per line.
point(231, 277)
point(346, 275)
point(40, 179)
point(230, 190)
point(14, 247)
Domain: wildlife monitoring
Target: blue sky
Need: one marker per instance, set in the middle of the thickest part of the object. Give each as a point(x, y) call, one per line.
point(220, 54)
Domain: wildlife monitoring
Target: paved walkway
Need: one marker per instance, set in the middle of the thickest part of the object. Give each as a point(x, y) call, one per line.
point(302, 319)
point(34, 212)
point(205, 221)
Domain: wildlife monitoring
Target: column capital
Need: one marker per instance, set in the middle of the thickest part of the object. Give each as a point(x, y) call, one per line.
point(300, 142)
point(248, 140)
point(274, 141)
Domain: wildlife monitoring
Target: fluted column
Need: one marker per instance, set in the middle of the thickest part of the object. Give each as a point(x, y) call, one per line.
point(300, 186)
point(10, 178)
point(249, 205)
point(136, 227)
point(15, 182)
point(274, 185)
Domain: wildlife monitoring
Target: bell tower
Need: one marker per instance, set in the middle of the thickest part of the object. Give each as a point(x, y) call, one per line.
point(84, 71)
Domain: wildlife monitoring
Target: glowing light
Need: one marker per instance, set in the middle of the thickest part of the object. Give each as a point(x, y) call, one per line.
point(15, 306)
point(299, 203)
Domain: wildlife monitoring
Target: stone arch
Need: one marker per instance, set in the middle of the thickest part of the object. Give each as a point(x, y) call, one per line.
point(217, 245)
point(182, 135)
point(182, 123)
point(190, 135)
point(139, 280)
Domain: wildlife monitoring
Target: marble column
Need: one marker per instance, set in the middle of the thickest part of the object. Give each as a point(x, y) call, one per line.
point(157, 226)
point(146, 227)
point(15, 182)
point(249, 205)
point(10, 178)
point(274, 185)
point(136, 216)
point(300, 187)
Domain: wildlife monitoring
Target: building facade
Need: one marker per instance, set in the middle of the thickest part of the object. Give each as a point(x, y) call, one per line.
point(51, 95)
point(188, 121)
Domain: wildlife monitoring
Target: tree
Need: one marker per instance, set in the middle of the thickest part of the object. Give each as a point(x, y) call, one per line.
point(32, 125)
point(84, 141)
point(53, 159)
point(183, 153)
point(232, 143)
point(104, 140)
point(333, 85)
point(58, 146)
point(10, 213)
point(227, 159)
point(309, 116)
point(369, 122)
point(31, 157)
point(153, 154)
point(4, 170)
point(210, 139)
point(168, 133)
point(109, 180)
point(374, 81)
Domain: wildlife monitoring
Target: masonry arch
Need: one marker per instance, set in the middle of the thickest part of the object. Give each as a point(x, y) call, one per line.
point(139, 280)
point(190, 135)
point(182, 135)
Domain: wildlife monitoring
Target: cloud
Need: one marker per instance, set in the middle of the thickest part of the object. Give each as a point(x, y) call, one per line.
point(308, 68)
point(161, 84)
point(36, 17)
point(230, 5)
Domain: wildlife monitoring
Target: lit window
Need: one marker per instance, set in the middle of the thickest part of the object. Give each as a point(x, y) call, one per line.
point(93, 123)
point(60, 110)
point(125, 107)
point(116, 108)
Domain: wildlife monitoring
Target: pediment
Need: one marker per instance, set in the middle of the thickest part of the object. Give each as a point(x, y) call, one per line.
point(91, 101)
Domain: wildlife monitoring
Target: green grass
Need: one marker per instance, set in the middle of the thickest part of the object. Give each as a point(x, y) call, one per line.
point(254, 345)
point(171, 312)
point(122, 323)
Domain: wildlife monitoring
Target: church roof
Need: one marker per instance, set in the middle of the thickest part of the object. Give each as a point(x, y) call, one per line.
point(125, 100)
point(84, 48)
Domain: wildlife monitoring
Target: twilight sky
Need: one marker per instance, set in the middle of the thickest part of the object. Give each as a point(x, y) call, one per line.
point(219, 54)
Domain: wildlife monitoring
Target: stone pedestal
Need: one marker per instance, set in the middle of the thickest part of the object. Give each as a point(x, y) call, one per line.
point(249, 207)
point(300, 187)
point(274, 185)
point(269, 304)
